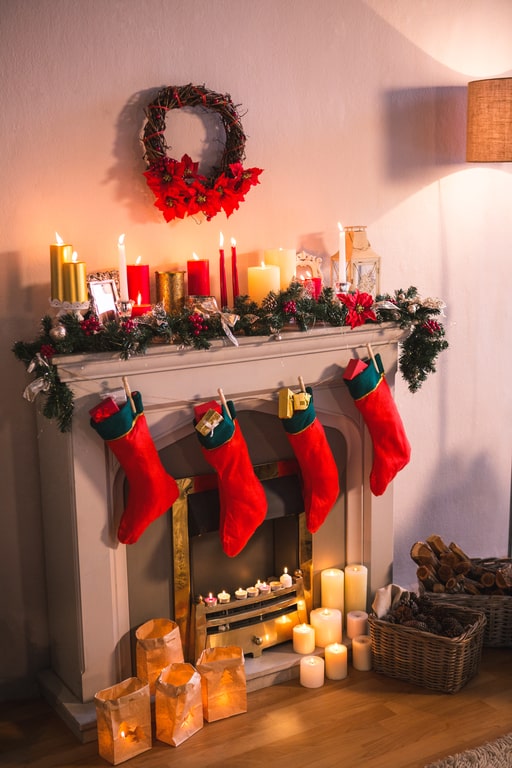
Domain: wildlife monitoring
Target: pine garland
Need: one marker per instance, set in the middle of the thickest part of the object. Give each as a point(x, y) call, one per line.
point(195, 327)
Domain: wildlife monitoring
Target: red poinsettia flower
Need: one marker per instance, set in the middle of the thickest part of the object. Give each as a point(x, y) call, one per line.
point(359, 307)
point(244, 178)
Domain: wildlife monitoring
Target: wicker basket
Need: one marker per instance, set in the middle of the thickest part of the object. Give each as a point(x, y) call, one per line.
point(497, 610)
point(432, 661)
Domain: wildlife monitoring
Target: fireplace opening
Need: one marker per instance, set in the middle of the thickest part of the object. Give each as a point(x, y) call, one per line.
point(180, 557)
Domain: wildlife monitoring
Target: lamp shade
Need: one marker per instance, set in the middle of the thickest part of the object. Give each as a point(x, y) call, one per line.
point(489, 125)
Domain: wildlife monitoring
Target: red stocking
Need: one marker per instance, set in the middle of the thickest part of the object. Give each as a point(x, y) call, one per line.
point(151, 490)
point(319, 473)
point(243, 504)
point(373, 398)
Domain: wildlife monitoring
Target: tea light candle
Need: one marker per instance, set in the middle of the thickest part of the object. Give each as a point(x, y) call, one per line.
point(241, 594)
point(223, 597)
point(252, 591)
point(285, 578)
point(332, 584)
point(357, 623)
point(210, 601)
point(312, 671)
point(286, 260)
point(327, 625)
point(261, 281)
point(139, 308)
point(362, 653)
point(275, 586)
point(263, 587)
point(303, 638)
point(336, 661)
point(355, 587)
point(198, 271)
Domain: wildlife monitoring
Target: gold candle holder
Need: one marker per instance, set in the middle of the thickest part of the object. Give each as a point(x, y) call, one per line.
point(170, 291)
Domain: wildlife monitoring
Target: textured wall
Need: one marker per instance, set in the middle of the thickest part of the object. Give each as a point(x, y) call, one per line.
point(356, 112)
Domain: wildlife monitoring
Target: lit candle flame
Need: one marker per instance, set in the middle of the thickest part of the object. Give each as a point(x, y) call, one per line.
point(74, 257)
point(121, 240)
point(195, 256)
point(233, 242)
point(221, 240)
point(59, 239)
point(139, 299)
point(340, 227)
point(263, 265)
point(138, 260)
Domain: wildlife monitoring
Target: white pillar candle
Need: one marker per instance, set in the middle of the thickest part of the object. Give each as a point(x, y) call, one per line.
point(362, 653)
point(336, 661)
point(285, 578)
point(123, 273)
point(356, 577)
point(332, 584)
point(357, 623)
point(261, 281)
point(303, 638)
point(312, 671)
point(342, 256)
point(286, 260)
point(327, 625)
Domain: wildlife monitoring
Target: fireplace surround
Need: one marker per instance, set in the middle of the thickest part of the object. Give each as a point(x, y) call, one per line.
point(99, 590)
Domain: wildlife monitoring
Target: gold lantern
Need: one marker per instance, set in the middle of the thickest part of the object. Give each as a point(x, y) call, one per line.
point(178, 704)
point(123, 714)
point(158, 645)
point(223, 682)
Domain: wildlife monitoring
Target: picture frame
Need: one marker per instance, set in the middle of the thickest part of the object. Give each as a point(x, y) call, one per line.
point(104, 296)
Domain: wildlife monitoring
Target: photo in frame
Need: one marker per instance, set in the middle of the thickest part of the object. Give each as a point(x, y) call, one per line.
point(104, 298)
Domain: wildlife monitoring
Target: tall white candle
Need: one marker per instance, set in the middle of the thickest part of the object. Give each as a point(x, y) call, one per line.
point(336, 661)
point(357, 623)
point(327, 625)
point(303, 638)
point(332, 584)
point(123, 274)
point(312, 671)
point(342, 270)
point(362, 653)
point(356, 577)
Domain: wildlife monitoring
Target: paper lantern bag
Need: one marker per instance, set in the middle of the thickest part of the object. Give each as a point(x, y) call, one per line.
point(178, 704)
point(158, 645)
point(123, 714)
point(223, 682)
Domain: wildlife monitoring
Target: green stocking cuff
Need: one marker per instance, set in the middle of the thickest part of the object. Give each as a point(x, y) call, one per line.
point(223, 432)
point(301, 419)
point(367, 380)
point(120, 423)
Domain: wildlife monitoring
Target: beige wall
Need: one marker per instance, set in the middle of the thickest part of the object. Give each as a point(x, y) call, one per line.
point(356, 112)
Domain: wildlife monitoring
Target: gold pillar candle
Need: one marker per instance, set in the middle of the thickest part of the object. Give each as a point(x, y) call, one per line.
point(74, 281)
point(170, 291)
point(60, 253)
point(123, 714)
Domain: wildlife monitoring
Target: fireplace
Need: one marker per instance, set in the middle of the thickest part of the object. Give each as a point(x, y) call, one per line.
point(99, 591)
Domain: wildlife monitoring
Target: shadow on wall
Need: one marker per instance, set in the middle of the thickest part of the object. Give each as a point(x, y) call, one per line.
point(426, 128)
point(458, 507)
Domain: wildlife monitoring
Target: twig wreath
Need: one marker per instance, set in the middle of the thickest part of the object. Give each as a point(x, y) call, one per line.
point(179, 188)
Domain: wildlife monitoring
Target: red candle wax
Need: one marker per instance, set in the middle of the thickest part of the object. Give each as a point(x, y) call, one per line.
point(138, 282)
point(223, 286)
point(198, 272)
point(140, 309)
point(234, 270)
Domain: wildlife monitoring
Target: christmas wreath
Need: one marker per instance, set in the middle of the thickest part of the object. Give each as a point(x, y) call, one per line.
point(179, 188)
point(198, 325)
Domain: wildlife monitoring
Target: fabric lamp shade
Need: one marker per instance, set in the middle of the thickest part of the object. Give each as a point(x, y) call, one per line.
point(489, 121)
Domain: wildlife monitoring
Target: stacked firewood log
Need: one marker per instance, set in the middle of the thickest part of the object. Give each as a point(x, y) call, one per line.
point(447, 568)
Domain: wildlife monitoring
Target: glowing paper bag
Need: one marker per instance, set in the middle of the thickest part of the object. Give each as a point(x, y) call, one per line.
point(223, 682)
point(178, 704)
point(158, 645)
point(123, 714)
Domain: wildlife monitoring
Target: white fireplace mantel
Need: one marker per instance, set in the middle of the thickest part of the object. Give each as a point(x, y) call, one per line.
point(87, 567)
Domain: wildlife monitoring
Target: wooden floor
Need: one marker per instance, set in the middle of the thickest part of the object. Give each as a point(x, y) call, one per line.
point(365, 720)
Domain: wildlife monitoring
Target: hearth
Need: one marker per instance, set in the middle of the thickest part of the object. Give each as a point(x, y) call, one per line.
point(99, 591)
